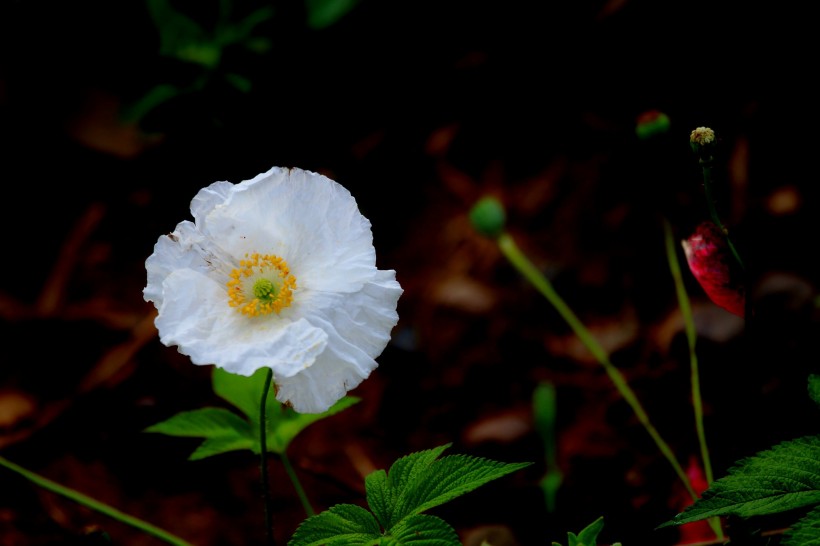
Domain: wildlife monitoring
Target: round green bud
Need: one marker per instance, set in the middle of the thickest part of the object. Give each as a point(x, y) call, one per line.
point(488, 216)
point(651, 123)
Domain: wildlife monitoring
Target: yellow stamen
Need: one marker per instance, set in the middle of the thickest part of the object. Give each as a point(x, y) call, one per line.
point(262, 284)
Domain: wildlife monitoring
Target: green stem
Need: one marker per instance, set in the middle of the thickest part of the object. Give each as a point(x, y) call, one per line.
point(542, 284)
point(706, 166)
point(87, 501)
point(263, 453)
point(297, 485)
point(691, 337)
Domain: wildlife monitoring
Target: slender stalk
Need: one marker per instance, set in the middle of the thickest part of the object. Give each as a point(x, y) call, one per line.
point(542, 284)
point(297, 485)
point(706, 167)
point(96, 505)
point(263, 454)
point(691, 337)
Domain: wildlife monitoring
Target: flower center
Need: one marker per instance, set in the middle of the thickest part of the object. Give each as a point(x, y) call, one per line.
point(261, 285)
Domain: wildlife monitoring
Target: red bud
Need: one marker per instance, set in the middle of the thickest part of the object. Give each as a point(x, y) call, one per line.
point(711, 262)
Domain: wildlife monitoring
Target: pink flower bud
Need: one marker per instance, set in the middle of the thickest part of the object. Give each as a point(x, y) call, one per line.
point(711, 262)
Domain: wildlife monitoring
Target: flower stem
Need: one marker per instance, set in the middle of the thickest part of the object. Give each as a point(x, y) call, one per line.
point(542, 284)
point(87, 501)
point(691, 337)
point(297, 485)
point(263, 453)
point(706, 167)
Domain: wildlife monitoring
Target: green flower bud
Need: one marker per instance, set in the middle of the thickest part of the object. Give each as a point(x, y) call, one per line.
point(651, 123)
point(488, 217)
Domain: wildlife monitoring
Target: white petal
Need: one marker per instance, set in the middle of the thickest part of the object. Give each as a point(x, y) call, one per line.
point(175, 251)
point(196, 317)
point(209, 197)
point(358, 326)
point(306, 218)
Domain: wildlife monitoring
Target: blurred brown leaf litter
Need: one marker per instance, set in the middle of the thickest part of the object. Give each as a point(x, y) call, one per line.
point(419, 111)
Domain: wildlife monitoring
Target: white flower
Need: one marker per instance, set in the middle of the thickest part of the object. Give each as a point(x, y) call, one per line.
point(278, 271)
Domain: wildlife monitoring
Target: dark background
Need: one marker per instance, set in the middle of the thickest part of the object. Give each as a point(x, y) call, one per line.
point(419, 109)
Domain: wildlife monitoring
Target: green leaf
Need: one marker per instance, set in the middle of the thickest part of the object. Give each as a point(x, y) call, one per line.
point(222, 444)
point(380, 496)
point(223, 431)
point(157, 95)
point(341, 525)
point(177, 32)
point(383, 493)
point(243, 392)
point(323, 13)
point(589, 535)
point(423, 482)
point(805, 532)
point(202, 423)
point(284, 424)
point(424, 530)
point(782, 478)
point(814, 387)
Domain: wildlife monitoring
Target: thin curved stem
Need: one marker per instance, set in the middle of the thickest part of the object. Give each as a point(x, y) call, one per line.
point(263, 453)
point(706, 167)
point(691, 337)
point(297, 485)
point(542, 284)
point(94, 504)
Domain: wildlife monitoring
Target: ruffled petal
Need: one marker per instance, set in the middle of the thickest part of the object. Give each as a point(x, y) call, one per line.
point(208, 198)
point(180, 250)
point(195, 316)
point(358, 326)
point(307, 219)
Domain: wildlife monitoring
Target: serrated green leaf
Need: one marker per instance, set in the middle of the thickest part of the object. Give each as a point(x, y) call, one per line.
point(203, 423)
point(323, 13)
point(589, 534)
point(380, 496)
point(805, 532)
point(402, 472)
point(814, 387)
point(424, 530)
point(782, 478)
point(341, 525)
point(405, 470)
point(445, 479)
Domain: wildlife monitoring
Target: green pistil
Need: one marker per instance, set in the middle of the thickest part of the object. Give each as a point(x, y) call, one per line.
point(265, 290)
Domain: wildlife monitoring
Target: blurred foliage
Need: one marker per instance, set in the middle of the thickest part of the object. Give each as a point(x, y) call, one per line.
point(200, 52)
